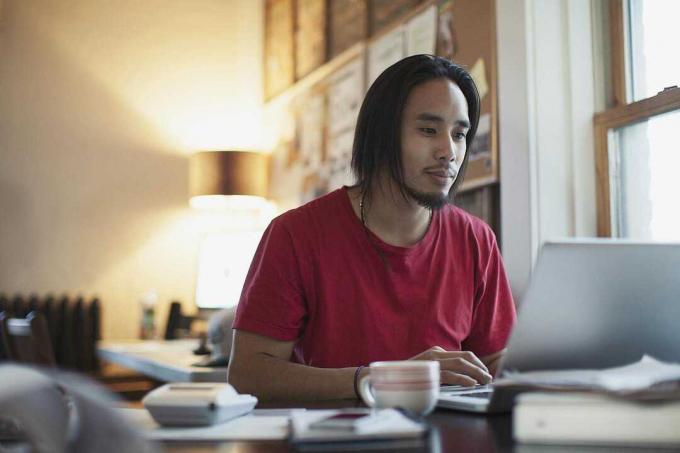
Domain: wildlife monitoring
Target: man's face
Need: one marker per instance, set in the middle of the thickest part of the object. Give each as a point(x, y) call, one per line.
point(433, 129)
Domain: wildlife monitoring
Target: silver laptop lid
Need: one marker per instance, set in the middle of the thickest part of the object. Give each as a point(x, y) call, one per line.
point(599, 303)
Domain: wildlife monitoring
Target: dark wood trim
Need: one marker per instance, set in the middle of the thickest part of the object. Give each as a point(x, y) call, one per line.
point(617, 37)
point(666, 101)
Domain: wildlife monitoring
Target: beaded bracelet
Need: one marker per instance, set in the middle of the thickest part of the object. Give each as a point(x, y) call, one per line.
point(356, 380)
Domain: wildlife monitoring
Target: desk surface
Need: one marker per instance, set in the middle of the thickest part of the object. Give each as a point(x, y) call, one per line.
point(451, 432)
point(167, 361)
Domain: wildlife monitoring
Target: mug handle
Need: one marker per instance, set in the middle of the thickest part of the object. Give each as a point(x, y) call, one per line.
point(365, 391)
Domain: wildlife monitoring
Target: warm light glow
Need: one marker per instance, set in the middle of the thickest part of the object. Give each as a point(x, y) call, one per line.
point(223, 264)
point(193, 75)
point(228, 202)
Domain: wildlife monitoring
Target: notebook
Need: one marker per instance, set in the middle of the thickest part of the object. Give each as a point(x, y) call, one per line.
point(591, 304)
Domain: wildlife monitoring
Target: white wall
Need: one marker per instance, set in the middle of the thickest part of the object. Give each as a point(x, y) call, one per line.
point(100, 104)
point(546, 107)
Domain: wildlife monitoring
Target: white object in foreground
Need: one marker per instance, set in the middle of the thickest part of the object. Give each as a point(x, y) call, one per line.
point(594, 419)
point(248, 427)
point(196, 404)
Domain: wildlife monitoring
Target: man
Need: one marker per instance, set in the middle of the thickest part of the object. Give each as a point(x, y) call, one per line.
point(387, 269)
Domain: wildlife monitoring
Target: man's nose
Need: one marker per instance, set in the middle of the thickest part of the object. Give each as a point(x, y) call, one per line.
point(446, 151)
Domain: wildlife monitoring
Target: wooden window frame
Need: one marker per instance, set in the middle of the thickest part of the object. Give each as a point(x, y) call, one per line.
point(617, 39)
point(621, 114)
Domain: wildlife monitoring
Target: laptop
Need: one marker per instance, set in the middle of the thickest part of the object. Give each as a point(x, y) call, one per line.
point(590, 304)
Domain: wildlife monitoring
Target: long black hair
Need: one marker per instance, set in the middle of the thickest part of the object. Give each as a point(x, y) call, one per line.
point(377, 139)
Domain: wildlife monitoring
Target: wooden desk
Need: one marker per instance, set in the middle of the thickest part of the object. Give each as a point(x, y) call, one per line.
point(451, 432)
point(167, 361)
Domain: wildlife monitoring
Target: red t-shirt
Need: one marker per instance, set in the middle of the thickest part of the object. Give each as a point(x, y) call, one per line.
point(317, 279)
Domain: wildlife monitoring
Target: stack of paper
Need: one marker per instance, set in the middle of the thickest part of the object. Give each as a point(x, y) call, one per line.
point(646, 379)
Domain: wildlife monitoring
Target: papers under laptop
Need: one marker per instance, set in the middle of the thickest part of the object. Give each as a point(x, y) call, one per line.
point(591, 304)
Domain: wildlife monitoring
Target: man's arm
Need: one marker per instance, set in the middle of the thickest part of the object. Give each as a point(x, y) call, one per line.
point(261, 366)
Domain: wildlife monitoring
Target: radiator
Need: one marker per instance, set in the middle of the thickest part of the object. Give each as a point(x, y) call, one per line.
point(73, 323)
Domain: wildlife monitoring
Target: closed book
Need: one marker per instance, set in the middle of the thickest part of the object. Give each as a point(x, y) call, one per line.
point(595, 419)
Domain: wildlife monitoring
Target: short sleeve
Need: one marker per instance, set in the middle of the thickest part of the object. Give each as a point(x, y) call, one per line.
point(272, 302)
point(494, 309)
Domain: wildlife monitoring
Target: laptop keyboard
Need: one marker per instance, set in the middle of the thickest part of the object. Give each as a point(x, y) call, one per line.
point(477, 392)
point(478, 395)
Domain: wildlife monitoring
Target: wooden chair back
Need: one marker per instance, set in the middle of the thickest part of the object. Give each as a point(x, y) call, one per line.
point(27, 340)
point(177, 321)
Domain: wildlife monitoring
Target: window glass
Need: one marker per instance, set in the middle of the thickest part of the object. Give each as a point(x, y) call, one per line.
point(645, 176)
point(654, 34)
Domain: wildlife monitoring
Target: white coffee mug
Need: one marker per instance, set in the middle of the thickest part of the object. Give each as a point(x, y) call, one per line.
point(411, 385)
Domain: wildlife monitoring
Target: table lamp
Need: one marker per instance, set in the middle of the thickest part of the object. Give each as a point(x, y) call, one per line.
point(234, 182)
point(231, 179)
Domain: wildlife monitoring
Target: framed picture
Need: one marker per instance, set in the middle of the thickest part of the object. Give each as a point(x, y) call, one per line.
point(310, 36)
point(279, 69)
point(347, 24)
point(467, 34)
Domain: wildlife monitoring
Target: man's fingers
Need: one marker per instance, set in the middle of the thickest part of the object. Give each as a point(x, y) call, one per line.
point(452, 378)
point(472, 358)
point(466, 355)
point(461, 366)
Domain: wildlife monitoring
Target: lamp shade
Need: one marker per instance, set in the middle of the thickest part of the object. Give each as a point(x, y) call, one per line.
point(228, 173)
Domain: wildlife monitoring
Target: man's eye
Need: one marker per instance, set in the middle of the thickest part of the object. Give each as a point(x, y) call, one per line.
point(459, 136)
point(428, 130)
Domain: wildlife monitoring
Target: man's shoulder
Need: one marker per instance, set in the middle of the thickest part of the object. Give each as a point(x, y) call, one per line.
point(319, 209)
point(463, 221)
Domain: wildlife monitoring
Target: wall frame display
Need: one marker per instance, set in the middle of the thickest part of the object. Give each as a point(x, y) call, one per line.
point(384, 52)
point(420, 33)
point(446, 34)
point(346, 90)
point(340, 159)
point(347, 24)
point(315, 157)
point(383, 13)
point(471, 42)
point(310, 36)
point(279, 49)
point(309, 130)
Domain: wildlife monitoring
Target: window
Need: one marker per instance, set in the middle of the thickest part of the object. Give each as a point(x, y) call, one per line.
point(638, 138)
point(653, 26)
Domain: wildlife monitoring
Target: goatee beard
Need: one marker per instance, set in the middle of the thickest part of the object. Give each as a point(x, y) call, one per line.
point(432, 201)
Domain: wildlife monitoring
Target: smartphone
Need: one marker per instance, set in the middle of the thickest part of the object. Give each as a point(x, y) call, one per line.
point(344, 420)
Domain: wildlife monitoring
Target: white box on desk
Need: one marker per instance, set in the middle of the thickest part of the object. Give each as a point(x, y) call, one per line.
point(595, 419)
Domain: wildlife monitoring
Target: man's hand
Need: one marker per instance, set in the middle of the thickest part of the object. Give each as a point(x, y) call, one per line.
point(457, 367)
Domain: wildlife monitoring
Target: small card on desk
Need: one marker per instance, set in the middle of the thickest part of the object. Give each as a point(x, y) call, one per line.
point(389, 427)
